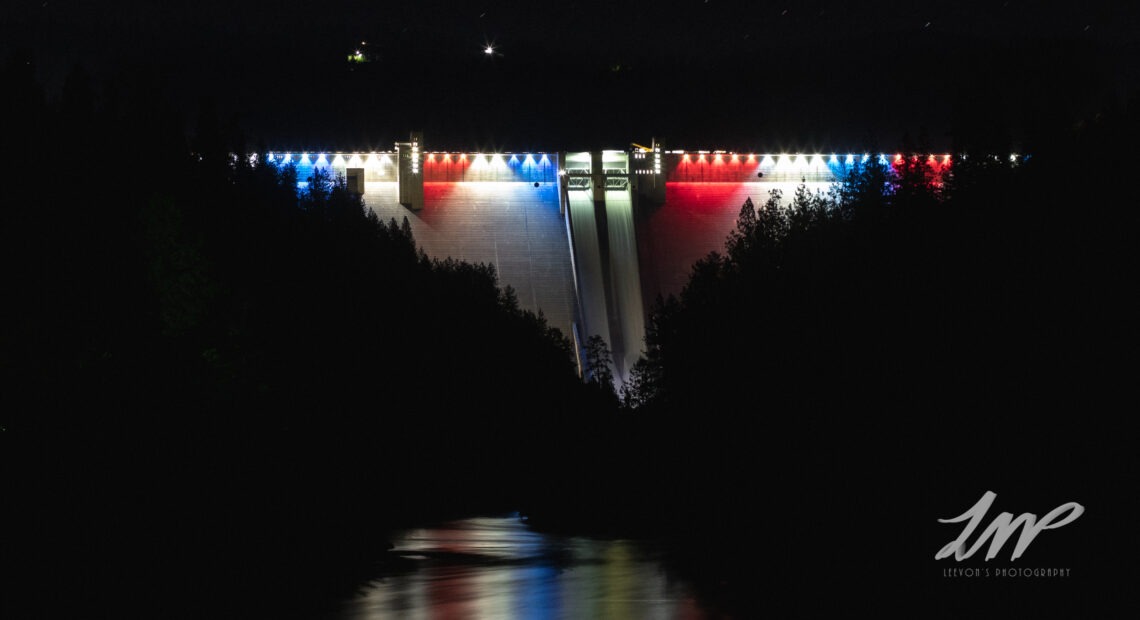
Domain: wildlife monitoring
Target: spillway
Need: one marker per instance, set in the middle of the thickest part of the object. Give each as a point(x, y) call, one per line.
point(625, 280)
point(591, 274)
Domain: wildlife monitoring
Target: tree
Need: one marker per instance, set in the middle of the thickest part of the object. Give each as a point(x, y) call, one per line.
point(866, 190)
point(643, 383)
point(740, 239)
point(599, 363)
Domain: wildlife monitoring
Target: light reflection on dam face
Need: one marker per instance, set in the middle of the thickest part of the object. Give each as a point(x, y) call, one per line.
point(591, 239)
point(497, 568)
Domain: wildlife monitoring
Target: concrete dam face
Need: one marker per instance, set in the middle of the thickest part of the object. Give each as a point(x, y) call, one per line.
point(590, 239)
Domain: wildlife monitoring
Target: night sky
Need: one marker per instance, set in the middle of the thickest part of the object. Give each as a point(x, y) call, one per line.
point(705, 74)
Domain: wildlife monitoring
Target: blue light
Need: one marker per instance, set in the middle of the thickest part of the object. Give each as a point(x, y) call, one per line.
point(538, 592)
point(850, 160)
point(833, 165)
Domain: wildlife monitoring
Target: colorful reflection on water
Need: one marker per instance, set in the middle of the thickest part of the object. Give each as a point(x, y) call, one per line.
point(494, 567)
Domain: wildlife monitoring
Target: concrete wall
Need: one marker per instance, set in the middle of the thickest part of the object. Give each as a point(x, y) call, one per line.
point(510, 224)
point(694, 220)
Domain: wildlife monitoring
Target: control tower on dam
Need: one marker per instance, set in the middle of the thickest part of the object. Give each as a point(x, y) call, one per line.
point(588, 238)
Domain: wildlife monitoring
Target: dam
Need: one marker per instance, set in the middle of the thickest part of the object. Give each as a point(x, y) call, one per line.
point(589, 239)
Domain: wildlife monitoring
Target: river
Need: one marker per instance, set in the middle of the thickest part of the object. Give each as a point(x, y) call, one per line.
point(496, 567)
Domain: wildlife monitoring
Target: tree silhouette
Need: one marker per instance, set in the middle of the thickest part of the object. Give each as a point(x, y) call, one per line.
point(599, 361)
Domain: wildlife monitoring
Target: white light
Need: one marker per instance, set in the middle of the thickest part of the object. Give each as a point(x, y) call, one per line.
point(488, 50)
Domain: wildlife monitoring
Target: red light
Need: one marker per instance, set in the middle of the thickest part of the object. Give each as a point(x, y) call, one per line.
point(685, 158)
point(718, 158)
point(751, 157)
point(898, 157)
point(702, 157)
point(463, 156)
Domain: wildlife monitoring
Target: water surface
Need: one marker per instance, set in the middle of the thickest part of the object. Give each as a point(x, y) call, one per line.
point(495, 567)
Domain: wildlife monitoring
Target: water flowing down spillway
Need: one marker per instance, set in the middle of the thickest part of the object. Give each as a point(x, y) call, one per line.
point(625, 280)
point(588, 259)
